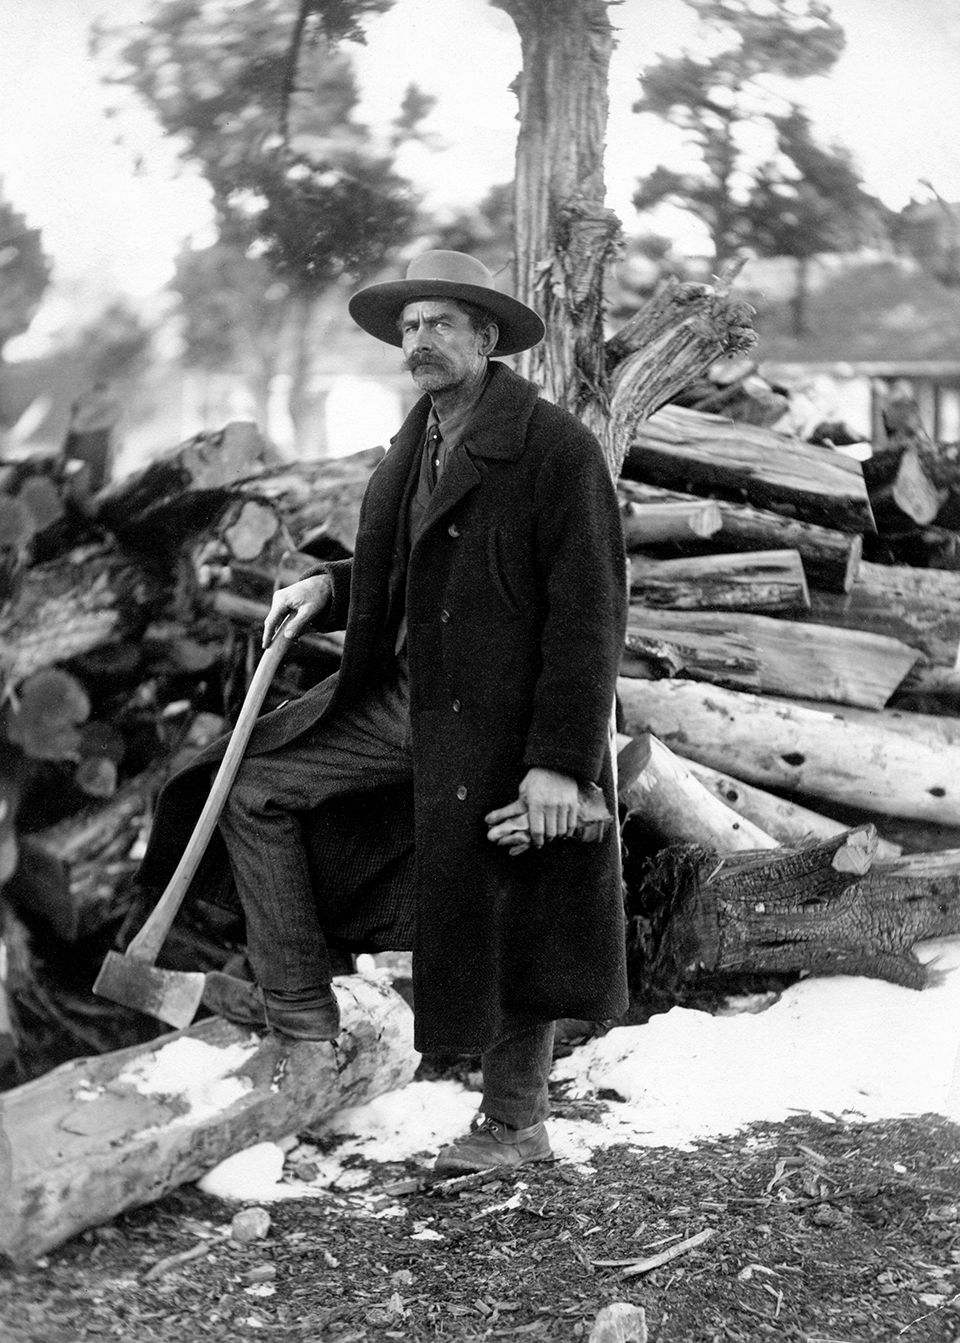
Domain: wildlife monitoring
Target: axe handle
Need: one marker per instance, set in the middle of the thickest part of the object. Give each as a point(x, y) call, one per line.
point(151, 937)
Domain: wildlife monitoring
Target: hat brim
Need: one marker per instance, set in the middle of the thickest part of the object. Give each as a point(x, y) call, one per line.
point(378, 307)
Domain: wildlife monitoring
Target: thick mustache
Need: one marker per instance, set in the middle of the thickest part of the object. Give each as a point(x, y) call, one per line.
point(416, 361)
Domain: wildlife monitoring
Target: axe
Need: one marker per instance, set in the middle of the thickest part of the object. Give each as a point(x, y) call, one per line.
point(132, 977)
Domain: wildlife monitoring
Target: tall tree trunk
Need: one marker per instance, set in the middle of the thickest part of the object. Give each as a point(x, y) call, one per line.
point(565, 236)
point(798, 304)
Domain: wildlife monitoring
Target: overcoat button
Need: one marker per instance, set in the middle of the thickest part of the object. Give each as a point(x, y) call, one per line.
point(453, 530)
point(445, 617)
point(456, 706)
point(462, 793)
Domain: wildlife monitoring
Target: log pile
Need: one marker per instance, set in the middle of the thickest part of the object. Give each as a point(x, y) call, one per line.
point(771, 681)
point(129, 628)
point(801, 711)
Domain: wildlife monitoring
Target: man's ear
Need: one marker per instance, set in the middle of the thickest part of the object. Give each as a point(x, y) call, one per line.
point(490, 337)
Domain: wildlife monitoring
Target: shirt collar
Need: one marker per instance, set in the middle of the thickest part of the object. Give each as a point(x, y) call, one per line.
point(453, 428)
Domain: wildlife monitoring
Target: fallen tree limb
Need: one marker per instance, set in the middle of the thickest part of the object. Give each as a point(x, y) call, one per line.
point(98, 1135)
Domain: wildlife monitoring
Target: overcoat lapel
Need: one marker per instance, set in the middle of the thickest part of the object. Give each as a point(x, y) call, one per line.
point(460, 477)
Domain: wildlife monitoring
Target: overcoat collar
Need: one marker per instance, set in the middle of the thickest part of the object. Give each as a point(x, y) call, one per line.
point(497, 430)
point(498, 427)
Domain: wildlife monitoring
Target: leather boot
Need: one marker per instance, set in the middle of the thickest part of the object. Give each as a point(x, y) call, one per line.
point(491, 1144)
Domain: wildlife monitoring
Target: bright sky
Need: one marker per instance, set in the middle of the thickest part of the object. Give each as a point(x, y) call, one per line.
point(112, 224)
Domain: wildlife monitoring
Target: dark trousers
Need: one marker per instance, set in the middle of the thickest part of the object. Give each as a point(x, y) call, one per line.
point(359, 749)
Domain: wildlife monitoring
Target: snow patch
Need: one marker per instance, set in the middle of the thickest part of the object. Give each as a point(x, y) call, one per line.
point(200, 1075)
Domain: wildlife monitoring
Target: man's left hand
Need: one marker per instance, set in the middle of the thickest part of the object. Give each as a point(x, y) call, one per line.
point(548, 802)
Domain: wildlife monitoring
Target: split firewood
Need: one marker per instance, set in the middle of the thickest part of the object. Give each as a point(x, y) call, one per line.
point(921, 607)
point(707, 454)
point(830, 558)
point(657, 787)
point(654, 523)
point(98, 1135)
point(207, 464)
point(825, 909)
point(780, 657)
point(768, 580)
point(71, 605)
point(787, 822)
point(778, 744)
point(70, 874)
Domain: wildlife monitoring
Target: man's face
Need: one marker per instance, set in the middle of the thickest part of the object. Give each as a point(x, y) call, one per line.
point(440, 347)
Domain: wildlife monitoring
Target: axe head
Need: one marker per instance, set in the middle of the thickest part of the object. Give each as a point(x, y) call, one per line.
point(172, 996)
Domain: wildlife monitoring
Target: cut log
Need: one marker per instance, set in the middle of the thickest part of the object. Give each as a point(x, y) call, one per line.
point(708, 454)
point(677, 521)
point(729, 662)
point(656, 786)
point(208, 462)
point(787, 822)
point(811, 910)
point(830, 558)
point(319, 501)
point(99, 1135)
point(71, 605)
point(921, 607)
point(776, 744)
point(785, 657)
point(767, 580)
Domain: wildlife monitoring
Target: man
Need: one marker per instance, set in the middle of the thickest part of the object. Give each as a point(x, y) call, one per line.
point(484, 609)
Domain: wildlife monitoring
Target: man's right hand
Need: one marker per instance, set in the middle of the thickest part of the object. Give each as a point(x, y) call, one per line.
point(298, 604)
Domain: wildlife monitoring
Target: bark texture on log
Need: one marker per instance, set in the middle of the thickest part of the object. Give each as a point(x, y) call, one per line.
point(99, 1135)
point(566, 239)
point(830, 558)
point(785, 657)
point(768, 580)
point(788, 911)
point(776, 744)
point(686, 450)
point(72, 605)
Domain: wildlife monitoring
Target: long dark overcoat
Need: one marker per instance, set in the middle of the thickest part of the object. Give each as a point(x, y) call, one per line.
point(516, 607)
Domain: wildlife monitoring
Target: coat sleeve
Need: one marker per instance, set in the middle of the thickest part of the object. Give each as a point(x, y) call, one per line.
point(340, 572)
point(582, 579)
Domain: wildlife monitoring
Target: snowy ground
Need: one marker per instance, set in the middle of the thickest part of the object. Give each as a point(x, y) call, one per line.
point(835, 1046)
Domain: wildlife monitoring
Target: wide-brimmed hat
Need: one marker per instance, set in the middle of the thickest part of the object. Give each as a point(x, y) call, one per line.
point(439, 274)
